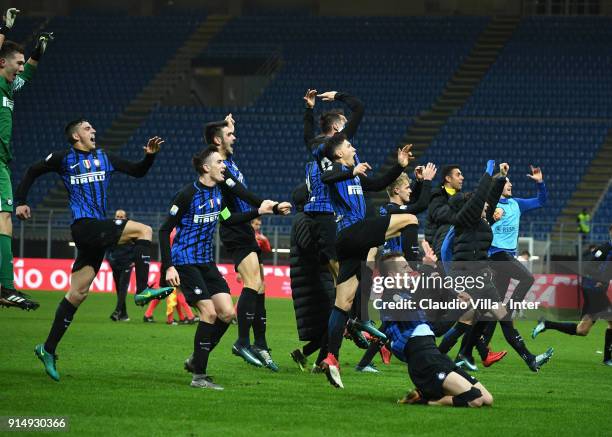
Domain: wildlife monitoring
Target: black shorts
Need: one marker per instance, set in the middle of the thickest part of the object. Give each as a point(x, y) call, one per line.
point(596, 303)
point(327, 235)
point(92, 238)
point(354, 243)
point(428, 367)
point(239, 241)
point(201, 281)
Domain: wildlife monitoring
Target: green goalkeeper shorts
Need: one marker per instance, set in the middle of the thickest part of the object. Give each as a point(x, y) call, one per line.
point(6, 189)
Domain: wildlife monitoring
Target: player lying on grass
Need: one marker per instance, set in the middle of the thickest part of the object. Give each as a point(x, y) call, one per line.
point(438, 380)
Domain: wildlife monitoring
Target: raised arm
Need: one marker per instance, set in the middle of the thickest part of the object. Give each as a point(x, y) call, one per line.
point(309, 129)
point(354, 104)
point(140, 168)
point(404, 156)
point(53, 162)
point(8, 21)
point(534, 202)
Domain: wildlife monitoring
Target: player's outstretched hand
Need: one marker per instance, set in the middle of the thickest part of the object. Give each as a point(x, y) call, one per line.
point(266, 207)
point(361, 169)
point(463, 296)
point(41, 43)
point(404, 155)
point(153, 145)
point(284, 208)
point(504, 168)
point(9, 17)
point(327, 96)
point(310, 98)
point(23, 212)
point(429, 172)
point(429, 256)
point(172, 277)
point(536, 174)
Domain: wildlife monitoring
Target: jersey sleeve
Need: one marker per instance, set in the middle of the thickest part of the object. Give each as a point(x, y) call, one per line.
point(232, 186)
point(130, 168)
point(180, 205)
point(24, 77)
point(52, 163)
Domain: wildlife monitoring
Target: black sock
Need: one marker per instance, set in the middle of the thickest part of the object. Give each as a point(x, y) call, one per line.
point(335, 329)
point(63, 318)
point(515, 340)
point(566, 327)
point(259, 323)
point(322, 349)
point(202, 345)
point(247, 306)
point(311, 347)
point(142, 258)
point(608, 345)
point(220, 328)
point(487, 335)
point(451, 337)
point(369, 354)
point(471, 338)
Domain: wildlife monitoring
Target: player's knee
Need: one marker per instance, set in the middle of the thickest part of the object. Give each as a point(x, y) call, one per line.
point(487, 399)
point(226, 314)
point(146, 233)
point(77, 296)
point(583, 331)
point(208, 316)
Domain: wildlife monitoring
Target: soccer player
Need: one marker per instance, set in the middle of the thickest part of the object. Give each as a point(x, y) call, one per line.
point(195, 211)
point(121, 259)
point(402, 201)
point(507, 216)
point(319, 205)
point(355, 234)
point(596, 304)
point(85, 172)
point(438, 380)
point(240, 242)
point(14, 74)
point(472, 240)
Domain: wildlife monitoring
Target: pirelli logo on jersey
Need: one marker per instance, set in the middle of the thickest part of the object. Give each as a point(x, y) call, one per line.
point(206, 218)
point(86, 178)
point(355, 189)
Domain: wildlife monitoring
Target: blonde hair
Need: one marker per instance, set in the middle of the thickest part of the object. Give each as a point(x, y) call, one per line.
point(401, 179)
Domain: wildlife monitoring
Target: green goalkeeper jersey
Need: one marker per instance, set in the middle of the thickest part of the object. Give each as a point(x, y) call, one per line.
point(6, 110)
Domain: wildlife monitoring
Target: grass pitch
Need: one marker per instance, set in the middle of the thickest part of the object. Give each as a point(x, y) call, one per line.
point(127, 379)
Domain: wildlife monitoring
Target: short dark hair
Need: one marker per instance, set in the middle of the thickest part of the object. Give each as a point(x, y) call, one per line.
point(447, 170)
point(71, 127)
point(201, 157)
point(383, 258)
point(526, 252)
point(9, 48)
point(212, 130)
point(328, 119)
point(331, 144)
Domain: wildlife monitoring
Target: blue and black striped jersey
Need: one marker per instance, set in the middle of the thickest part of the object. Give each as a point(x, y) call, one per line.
point(234, 203)
point(195, 212)
point(85, 175)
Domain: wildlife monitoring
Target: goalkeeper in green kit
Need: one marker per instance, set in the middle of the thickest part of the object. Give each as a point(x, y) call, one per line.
point(15, 72)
